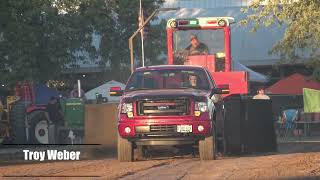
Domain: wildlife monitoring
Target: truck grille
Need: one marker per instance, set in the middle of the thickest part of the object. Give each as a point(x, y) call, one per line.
point(163, 107)
point(163, 128)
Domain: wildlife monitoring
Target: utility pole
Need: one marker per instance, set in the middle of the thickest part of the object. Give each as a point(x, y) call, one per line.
point(141, 21)
point(138, 30)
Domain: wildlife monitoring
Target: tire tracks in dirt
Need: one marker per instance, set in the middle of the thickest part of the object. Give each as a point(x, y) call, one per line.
point(43, 170)
point(130, 173)
point(176, 168)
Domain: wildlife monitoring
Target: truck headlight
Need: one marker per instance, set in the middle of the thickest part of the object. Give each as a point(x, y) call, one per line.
point(127, 108)
point(200, 107)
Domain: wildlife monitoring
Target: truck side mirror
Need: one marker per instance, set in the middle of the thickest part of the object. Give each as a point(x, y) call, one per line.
point(115, 91)
point(220, 89)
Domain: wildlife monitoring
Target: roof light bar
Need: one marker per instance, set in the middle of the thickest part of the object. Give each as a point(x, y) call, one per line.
point(188, 22)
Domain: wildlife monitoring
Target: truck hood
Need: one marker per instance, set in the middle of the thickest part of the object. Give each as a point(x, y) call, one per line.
point(164, 93)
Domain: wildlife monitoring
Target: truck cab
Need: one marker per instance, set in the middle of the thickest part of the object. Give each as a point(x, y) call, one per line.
point(167, 105)
point(215, 34)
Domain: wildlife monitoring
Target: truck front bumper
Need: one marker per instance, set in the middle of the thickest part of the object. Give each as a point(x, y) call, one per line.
point(151, 141)
point(164, 128)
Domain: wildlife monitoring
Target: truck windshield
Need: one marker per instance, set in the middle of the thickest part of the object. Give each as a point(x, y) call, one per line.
point(213, 39)
point(168, 79)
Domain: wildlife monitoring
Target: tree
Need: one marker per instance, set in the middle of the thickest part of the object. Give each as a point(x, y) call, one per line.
point(302, 22)
point(115, 21)
point(37, 40)
point(156, 44)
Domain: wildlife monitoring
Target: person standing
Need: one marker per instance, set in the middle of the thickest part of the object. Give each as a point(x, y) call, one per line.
point(55, 117)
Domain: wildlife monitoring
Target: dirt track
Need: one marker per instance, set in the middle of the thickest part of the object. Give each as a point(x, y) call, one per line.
point(294, 161)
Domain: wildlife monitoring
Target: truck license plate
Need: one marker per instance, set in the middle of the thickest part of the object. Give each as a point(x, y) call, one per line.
point(184, 128)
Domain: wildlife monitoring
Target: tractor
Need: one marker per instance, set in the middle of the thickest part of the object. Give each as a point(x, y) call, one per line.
point(215, 32)
point(26, 120)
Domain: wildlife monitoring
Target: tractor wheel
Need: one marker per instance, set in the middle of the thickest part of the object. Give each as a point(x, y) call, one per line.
point(38, 131)
point(207, 148)
point(125, 150)
point(17, 122)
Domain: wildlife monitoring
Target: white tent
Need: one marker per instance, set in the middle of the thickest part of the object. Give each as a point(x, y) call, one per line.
point(104, 90)
point(253, 76)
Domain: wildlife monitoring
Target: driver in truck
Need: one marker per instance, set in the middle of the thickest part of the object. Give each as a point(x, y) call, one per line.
point(191, 81)
point(196, 47)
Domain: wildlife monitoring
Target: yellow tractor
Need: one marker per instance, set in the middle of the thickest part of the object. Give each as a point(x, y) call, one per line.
point(5, 118)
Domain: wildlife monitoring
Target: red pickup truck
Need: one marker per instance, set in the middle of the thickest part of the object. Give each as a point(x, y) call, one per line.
point(167, 105)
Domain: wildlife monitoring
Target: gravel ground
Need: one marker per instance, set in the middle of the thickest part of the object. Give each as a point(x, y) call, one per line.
point(295, 160)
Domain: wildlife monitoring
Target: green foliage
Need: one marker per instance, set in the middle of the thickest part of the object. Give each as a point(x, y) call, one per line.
point(115, 21)
point(37, 42)
point(302, 22)
point(155, 44)
point(40, 38)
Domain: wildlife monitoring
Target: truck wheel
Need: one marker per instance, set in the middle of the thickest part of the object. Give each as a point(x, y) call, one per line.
point(125, 150)
point(207, 148)
point(140, 153)
point(38, 131)
point(17, 122)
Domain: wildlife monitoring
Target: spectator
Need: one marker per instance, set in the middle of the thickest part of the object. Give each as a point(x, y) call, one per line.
point(261, 94)
point(54, 115)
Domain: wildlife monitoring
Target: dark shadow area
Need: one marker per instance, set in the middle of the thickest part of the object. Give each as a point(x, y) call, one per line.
point(170, 152)
point(248, 126)
point(99, 153)
point(298, 147)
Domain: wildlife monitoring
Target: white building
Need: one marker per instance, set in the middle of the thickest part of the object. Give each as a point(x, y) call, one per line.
point(247, 48)
point(250, 49)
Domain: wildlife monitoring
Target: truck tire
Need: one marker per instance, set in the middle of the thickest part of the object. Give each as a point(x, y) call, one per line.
point(17, 122)
point(140, 153)
point(207, 148)
point(38, 131)
point(125, 150)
